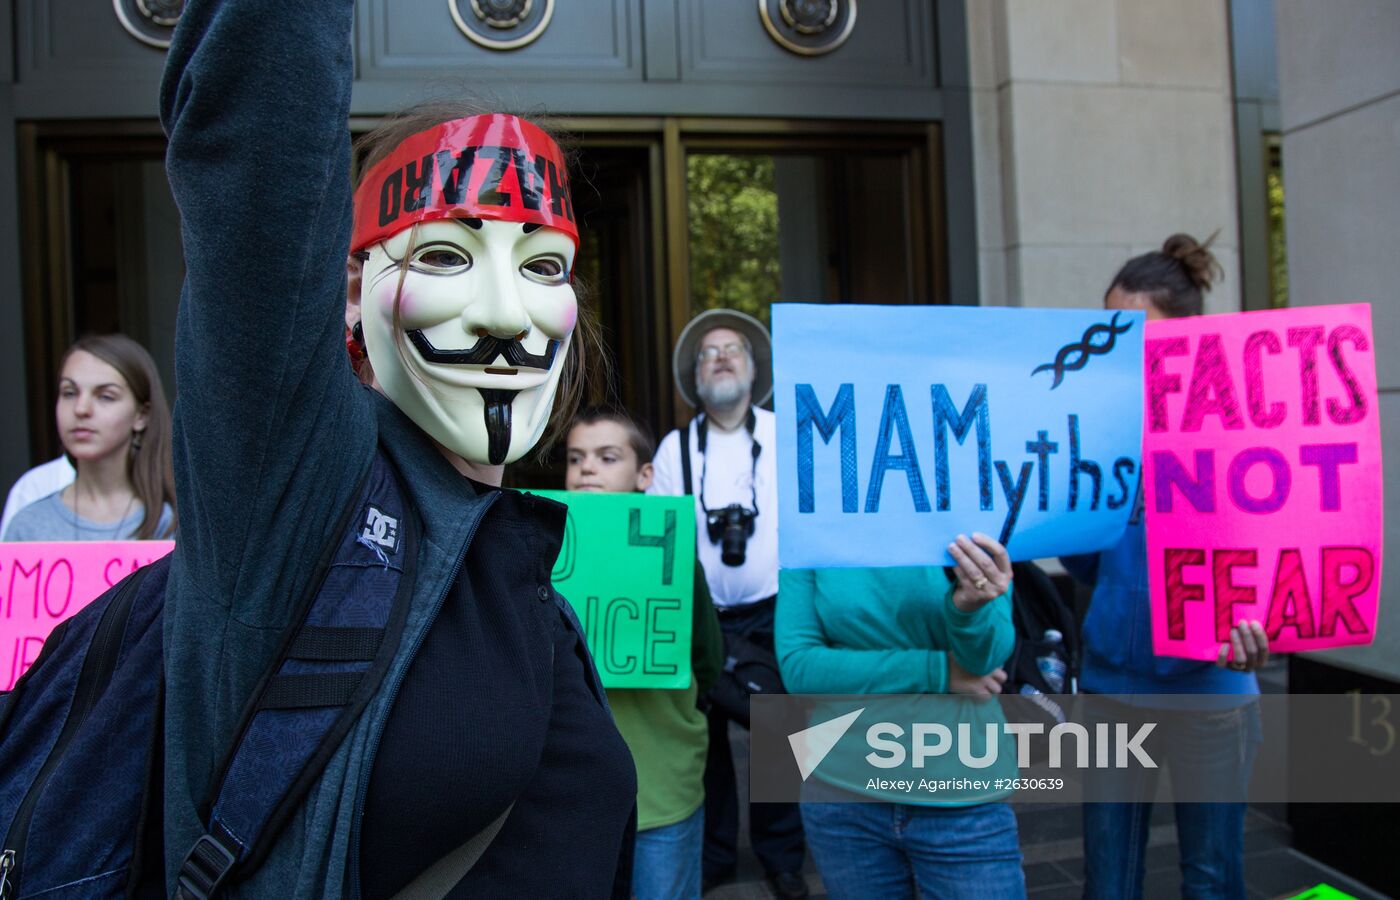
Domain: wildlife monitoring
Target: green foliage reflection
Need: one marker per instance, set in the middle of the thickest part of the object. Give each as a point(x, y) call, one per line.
point(733, 213)
point(1278, 244)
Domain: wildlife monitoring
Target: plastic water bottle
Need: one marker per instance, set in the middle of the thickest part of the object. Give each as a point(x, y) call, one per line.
point(1034, 694)
point(1052, 667)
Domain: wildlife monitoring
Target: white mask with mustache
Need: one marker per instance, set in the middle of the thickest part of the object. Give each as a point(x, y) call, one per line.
point(467, 281)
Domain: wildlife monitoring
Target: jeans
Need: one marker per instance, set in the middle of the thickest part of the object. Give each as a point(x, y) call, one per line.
point(897, 850)
point(667, 862)
point(775, 829)
point(1210, 835)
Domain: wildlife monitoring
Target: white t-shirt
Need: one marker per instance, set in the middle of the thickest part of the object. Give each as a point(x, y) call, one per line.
point(728, 479)
point(37, 483)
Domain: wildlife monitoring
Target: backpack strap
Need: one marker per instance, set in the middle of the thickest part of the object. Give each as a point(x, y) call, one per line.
point(442, 876)
point(331, 663)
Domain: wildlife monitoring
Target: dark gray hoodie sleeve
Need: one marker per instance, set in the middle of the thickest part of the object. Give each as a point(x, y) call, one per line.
point(271, 431)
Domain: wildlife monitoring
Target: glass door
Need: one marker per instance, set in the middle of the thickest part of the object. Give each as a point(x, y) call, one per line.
point(102, 250)
point(677, 215)
point(804, 212)
point(829, 227)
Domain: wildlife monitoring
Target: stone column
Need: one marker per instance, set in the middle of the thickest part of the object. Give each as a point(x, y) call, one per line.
point(1339, 99)
point(1100, 128)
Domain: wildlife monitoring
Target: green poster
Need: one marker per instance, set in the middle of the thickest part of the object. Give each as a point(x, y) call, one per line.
point(1322, 892)
point(628, 567)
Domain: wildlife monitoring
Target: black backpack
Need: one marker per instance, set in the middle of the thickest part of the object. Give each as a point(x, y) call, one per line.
point(750, 667)
point(1039, 665)
point(80, 733)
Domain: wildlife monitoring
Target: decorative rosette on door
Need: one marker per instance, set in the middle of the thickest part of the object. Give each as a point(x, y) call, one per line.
point(151, 22)
point(502, 24)
point(808, 27)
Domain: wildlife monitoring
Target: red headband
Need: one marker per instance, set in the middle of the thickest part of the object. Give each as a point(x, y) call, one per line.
point(484, 167)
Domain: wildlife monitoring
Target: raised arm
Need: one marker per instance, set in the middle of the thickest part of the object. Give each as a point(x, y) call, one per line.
point(270, 429)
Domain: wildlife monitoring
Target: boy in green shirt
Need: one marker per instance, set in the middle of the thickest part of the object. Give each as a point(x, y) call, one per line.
point(667, 734)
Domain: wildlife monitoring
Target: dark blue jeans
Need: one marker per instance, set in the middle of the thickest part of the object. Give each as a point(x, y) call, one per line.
point(898, 850)
point(666, 865)
point(1210, 835)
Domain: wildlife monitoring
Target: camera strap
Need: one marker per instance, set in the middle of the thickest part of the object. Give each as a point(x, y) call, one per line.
point(750, 423)
point(685, 457)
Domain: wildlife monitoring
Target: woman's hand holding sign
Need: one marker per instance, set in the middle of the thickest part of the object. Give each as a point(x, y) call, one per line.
point(983, 570)
point(1247, 650)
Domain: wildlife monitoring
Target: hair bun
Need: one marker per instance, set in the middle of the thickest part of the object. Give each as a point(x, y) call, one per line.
point(1200, 264)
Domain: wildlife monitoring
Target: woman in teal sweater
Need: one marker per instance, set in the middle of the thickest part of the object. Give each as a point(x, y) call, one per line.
point(919, 630)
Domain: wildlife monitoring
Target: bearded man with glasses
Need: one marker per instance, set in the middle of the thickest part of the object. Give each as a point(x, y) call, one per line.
point(723, 367)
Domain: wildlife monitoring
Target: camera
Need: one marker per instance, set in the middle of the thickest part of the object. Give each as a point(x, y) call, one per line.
point(731, 528)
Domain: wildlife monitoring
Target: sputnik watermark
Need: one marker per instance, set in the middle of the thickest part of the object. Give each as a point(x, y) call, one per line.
point(1110, 744)
point(811, 745)
point(1095, 748)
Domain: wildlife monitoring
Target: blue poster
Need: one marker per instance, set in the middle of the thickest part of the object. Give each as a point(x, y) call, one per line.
point(900, 427)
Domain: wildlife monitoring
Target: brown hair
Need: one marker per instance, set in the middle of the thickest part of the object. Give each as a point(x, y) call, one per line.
point(1175, 277)
point(148, 465)
point(638, 435)
point(587, 359)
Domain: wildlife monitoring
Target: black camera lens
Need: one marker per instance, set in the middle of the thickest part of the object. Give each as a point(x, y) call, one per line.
point(733, 545)
point(731, 528)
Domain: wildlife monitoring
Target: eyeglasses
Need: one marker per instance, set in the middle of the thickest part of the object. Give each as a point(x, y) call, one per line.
point(728, 351)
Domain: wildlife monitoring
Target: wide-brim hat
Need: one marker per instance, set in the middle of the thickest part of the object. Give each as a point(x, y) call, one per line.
point(683, 358)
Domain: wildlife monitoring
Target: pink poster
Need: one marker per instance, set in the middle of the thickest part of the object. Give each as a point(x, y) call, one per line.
point(1262, 478)
point(41, 584)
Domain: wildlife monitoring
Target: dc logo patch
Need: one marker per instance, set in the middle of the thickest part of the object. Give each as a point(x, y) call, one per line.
point(381, 530)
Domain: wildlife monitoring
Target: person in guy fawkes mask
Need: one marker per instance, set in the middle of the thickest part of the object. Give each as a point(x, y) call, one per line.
point(489, 726)
point(723, 365)
point(466, 309)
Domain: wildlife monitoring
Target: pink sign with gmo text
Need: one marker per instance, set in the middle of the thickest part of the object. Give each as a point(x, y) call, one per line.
point(43, 583)
point(1262, 478)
